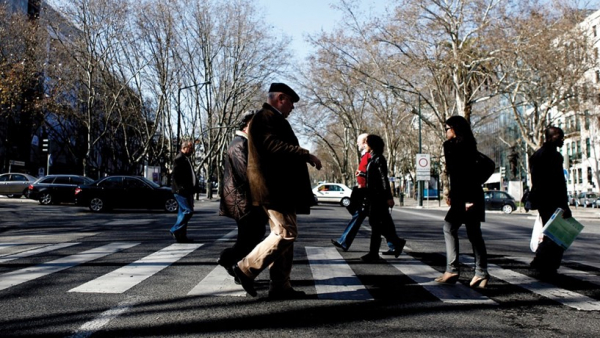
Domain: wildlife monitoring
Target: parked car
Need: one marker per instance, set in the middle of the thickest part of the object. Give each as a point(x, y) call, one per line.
point(499, 200)
point(587, 199)
point(572, 199)
point(126, 192)
point(15, 184)
point(333, 193)
point(54, 189)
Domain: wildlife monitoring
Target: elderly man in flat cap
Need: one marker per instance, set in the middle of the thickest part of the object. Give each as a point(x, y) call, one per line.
point(279, 182)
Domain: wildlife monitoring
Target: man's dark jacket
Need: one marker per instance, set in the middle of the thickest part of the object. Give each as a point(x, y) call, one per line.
point(277, 170)
point(549, 188)
point(182, 179)
point(235, 197)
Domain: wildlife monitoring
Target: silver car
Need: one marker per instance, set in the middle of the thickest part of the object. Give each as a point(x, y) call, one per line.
point(15, 184)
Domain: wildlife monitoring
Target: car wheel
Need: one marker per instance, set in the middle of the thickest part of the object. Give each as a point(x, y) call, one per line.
point(171, 205)
point(45, 198)
point(345, 202)
point(507, 209)
point(97, 204)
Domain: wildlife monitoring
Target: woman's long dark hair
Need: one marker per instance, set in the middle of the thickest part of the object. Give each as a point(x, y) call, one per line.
point(375, 143)
point(462, 130)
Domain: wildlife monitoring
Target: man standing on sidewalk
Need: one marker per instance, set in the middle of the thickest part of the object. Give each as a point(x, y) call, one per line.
point(548, 192)
point(279, 182)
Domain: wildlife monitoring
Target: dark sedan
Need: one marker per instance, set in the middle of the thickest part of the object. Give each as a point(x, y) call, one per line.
point(54, 189)
point(125, 192)
point(499, 200)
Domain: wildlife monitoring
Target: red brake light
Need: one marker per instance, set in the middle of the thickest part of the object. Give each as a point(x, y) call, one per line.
point(77, 191)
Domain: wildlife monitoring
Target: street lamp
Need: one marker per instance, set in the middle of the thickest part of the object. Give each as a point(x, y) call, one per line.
point(179, 109)
point(393, 88)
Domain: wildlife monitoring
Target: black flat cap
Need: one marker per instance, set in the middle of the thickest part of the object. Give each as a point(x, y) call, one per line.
point(283, 88)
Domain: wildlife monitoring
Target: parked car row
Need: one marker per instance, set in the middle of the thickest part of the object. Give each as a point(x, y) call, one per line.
point(585, 199)
point(112, 192)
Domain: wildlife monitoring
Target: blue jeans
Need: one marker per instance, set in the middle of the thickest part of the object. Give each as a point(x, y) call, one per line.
point(184, 213)
point(349, 234)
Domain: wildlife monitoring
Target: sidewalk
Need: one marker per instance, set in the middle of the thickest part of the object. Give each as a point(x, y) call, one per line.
point(578, 213)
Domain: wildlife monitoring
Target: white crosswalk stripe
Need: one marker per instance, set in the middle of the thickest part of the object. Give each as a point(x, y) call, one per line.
point(125, 278)
point(334, 279)
point(218, 283)
point(17, 277)
point(424, 275)
point(564, 270)
point(565, 297)
point(35, 251)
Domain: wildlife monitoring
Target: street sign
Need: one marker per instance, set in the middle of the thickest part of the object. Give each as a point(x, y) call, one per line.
point(19, 163)
point(423, 166)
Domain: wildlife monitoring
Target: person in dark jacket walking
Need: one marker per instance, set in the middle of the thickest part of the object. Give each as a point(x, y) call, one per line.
point(279, 182)
point(465, 200)
point(548, 192)
point(183, 184)
point(236, 201)
point(380, 200)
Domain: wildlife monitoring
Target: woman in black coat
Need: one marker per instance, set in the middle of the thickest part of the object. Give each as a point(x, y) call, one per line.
point(379, 198)
point(465, 200)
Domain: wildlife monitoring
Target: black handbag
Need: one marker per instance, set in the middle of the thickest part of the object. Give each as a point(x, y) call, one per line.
point(357, 199)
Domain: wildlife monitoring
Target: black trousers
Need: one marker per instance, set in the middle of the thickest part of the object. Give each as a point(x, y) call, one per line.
point(251, 231)
point(548, 255)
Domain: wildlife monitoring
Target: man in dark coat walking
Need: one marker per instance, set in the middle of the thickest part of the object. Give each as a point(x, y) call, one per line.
point(548, 192)
point(279, 182)
point(236, 201)
point(183, 184)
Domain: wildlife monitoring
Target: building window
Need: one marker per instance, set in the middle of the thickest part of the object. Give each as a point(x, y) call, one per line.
point(579, 149)
point(574, 175)
point(577, 124)
point(588, 148)
point(573, 152)
point(580, 174)
point(597, 76)
point(589, 175)
point(587, 120)
point(594, 32)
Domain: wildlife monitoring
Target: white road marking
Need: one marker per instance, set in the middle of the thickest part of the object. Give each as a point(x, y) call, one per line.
point(424, 275)
point(564, 270)
point(218, 283)
point(35, 251)
point(334, 279)
point(124, 278)
point(89, 328)
point(562, 296)
point(229, 236)
point(17, 277)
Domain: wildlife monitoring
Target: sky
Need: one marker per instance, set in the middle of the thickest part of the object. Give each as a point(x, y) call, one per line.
point(297, 18)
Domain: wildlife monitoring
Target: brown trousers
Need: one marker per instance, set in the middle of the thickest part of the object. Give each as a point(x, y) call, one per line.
point(276, 251)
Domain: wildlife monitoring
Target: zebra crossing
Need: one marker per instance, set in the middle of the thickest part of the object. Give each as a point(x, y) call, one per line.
point(333, 277)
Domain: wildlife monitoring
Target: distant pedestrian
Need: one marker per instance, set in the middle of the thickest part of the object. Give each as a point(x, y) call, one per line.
point(279, 182)
point(466, 202)
point(345, 240)
point(236, 201)
point(380, 201)
point(184, 185)
point(548, 192)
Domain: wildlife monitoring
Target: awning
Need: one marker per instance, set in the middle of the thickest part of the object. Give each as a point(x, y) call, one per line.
point(495, 178)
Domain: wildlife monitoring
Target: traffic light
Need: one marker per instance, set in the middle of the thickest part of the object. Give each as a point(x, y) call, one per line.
point(45, 145)
point(502, 171)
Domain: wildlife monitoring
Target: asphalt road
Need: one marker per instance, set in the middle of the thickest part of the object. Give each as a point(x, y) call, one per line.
point(67, 272)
